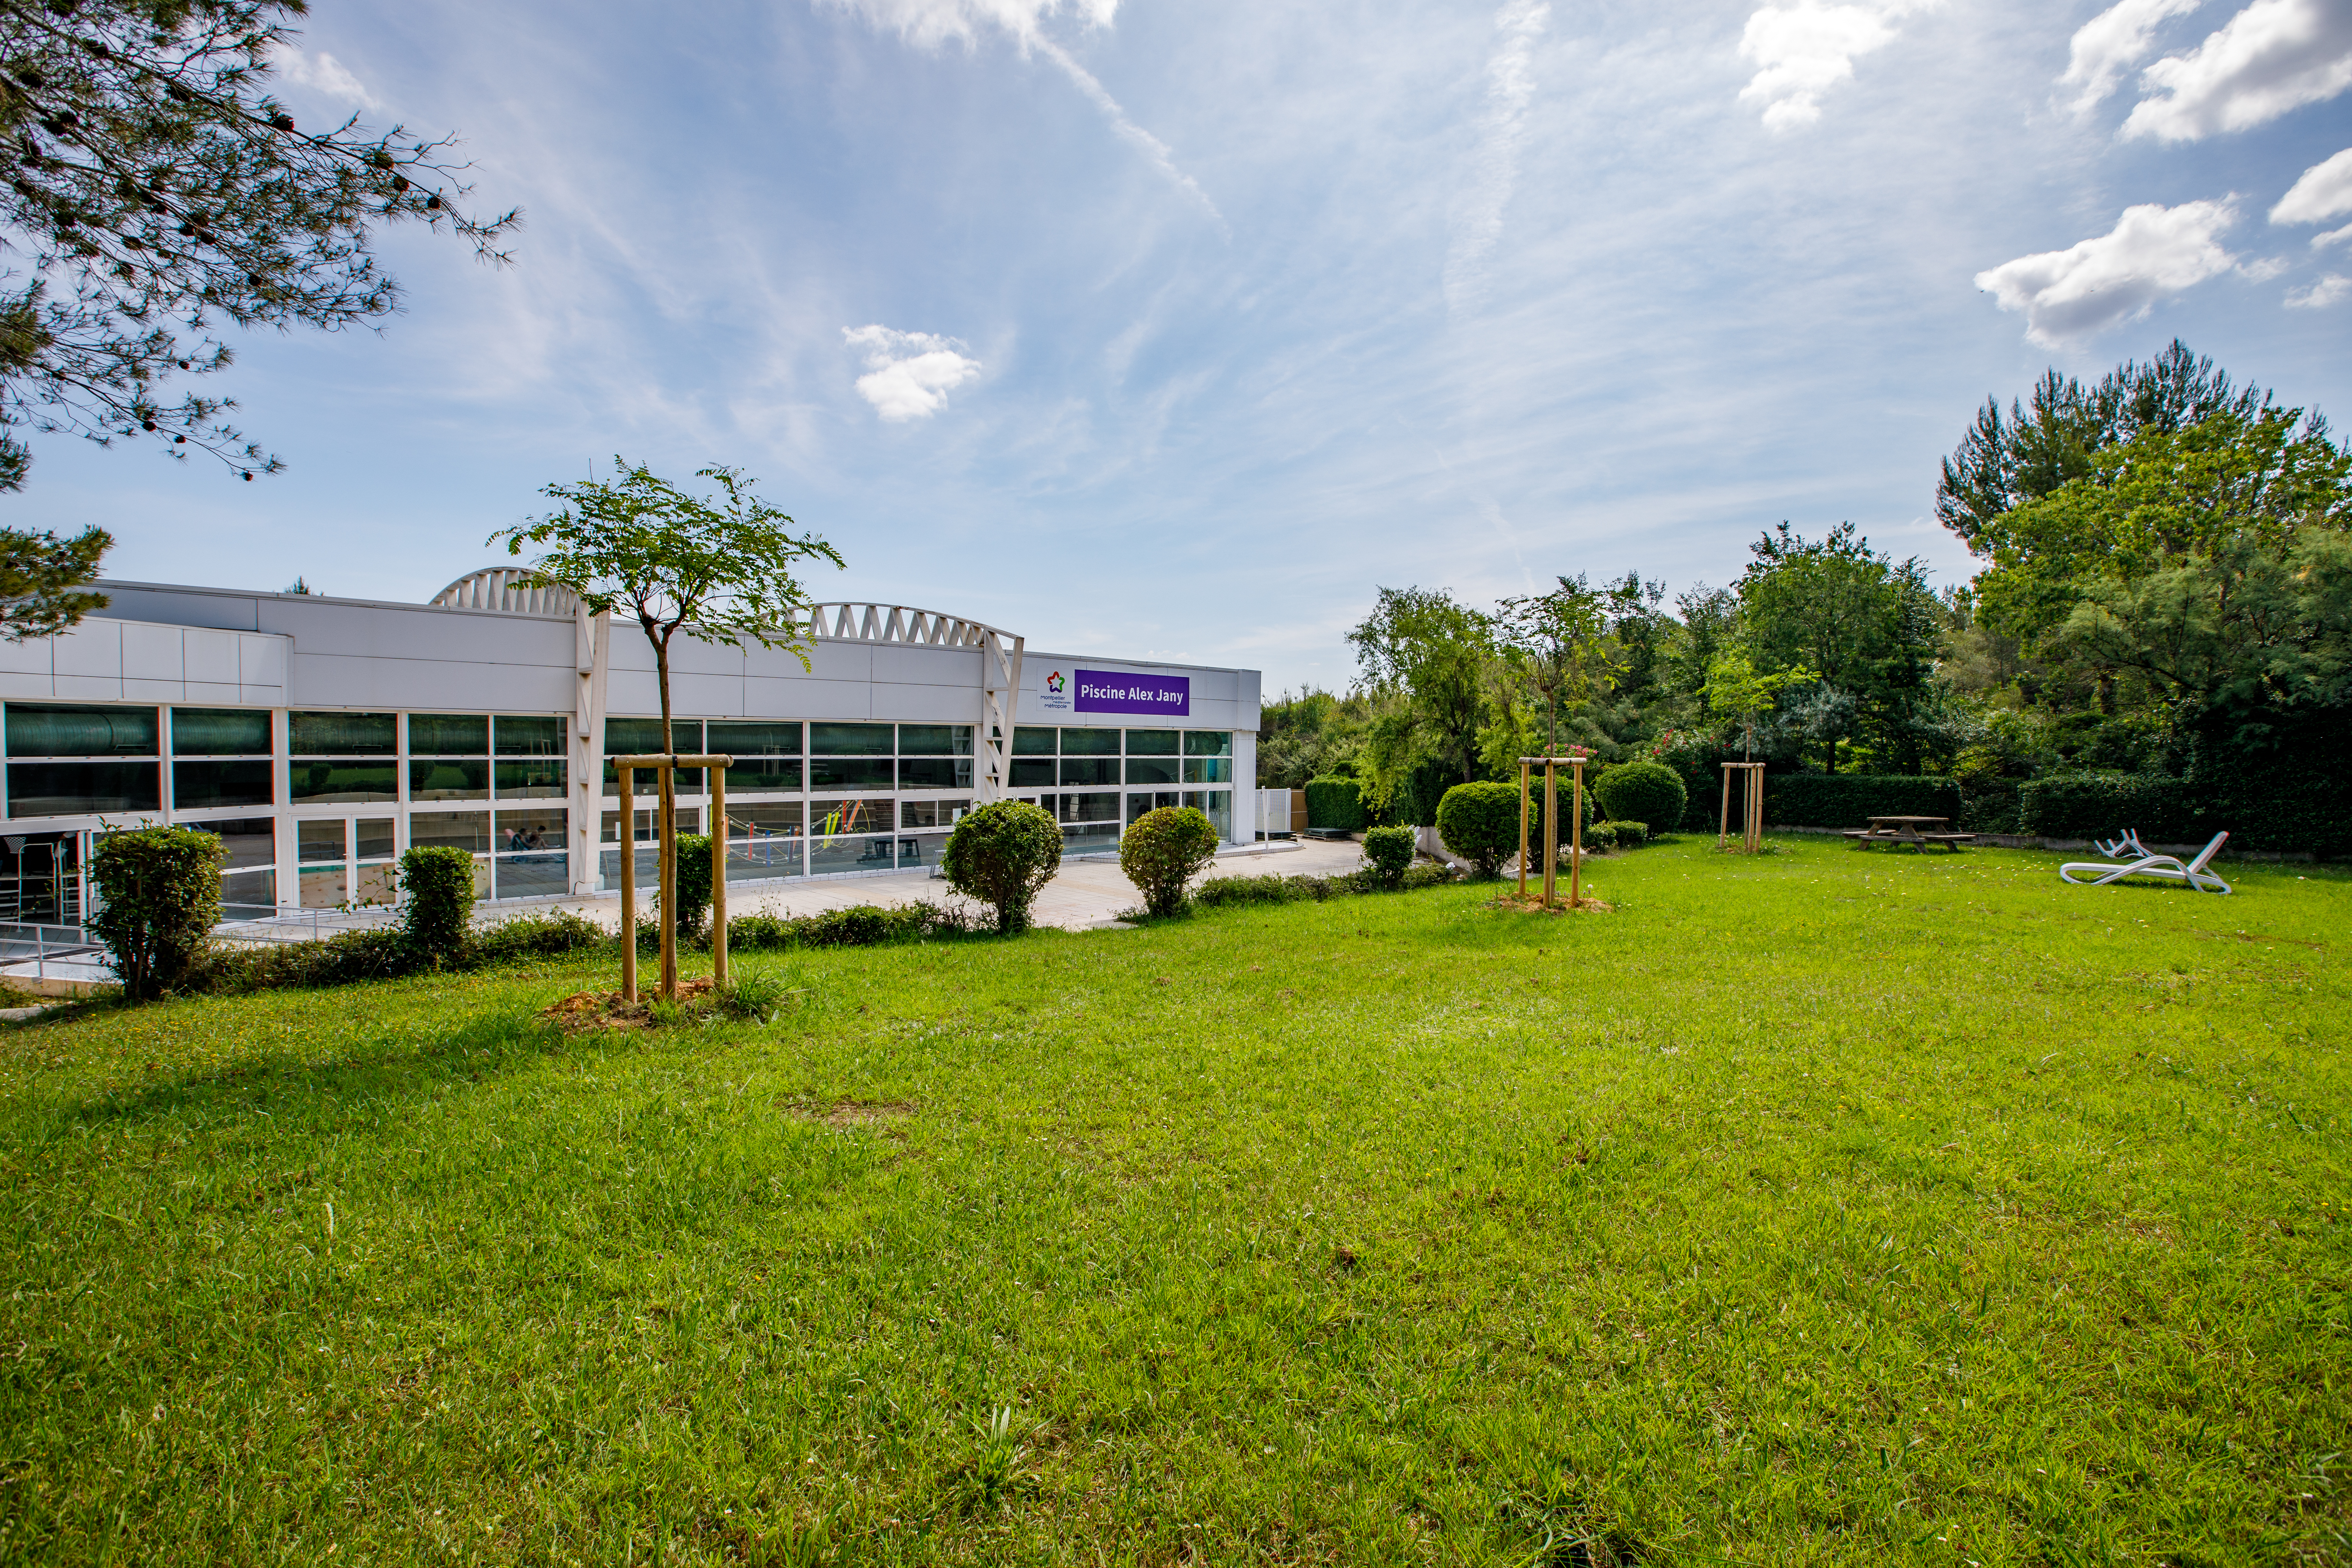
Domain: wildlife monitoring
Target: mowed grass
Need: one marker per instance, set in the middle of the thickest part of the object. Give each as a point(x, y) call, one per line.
point(1826, 1207)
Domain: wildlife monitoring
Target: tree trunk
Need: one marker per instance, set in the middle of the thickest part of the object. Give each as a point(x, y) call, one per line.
point(667, 833)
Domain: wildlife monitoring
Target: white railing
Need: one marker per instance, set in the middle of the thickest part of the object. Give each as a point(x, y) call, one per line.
point(502, 590)
point(896, 624)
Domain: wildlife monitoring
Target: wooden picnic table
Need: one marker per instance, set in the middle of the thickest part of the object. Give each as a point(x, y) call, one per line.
point(1917, 831)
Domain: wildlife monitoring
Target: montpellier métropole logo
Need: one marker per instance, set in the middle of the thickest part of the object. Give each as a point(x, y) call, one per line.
point(1053, 683)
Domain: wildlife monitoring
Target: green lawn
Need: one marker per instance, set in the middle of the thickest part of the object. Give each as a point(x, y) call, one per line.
point(1824, 1207)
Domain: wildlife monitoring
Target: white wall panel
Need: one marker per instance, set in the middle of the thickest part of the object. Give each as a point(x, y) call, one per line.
point(210, 656)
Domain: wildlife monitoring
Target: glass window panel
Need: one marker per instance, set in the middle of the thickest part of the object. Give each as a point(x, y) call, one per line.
point(642, 737)
point(532, 876)
point(852, 772)
point(935, 772)
point(850, 740)
point(220, 731)
point(612, 829)
point(533, 737)
point(343, 779)
point(449, 778)
point(83, 789)
point(1208, 742)
point(1030, 740)
point(1089, 770)
point(763, 840)
point(1208, 770)
point(935, 740)
point(828, 818)
point(245, 895)
point(1137, 805)
point(1151, 743)
point(539, 778)
point(764, 775)
point(736, 737)
point(376, 884)
point(922, 850)
point(60, 730)
point(201, 786)
point(931, 813)
point(1150, 770)
point(466, 830)
point(320, 841)
point(850, 853)
point(1089, 742)
point(245, 842)
point(1219, 806)
point(322, 889)
point(375, 840)
point(1092, 807)
point(779, 818)
point(341, 734)
point(1032, 772)
point(647, 781)
point(539, 827)
point(448, 735)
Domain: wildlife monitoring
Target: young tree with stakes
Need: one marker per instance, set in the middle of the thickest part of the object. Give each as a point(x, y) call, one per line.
point(722, 572)
point(151, 190)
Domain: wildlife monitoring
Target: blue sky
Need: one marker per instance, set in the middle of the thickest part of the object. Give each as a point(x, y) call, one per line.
point(1192, 323)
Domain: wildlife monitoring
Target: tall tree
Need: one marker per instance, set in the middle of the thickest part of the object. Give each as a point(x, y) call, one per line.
point(1435, 651)
point(1866, 626)
point(45, 581)
point(1558, 646)
point(2005, 461)
point(720, 573)
point(152, 191)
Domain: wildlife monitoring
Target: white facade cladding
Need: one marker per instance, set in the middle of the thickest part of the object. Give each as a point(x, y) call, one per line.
point(321, 737)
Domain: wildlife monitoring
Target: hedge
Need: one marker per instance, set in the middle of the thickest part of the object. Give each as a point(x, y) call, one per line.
point(2101, 804)
point(1228, 892)
point(1335, 803)
point(1841, 800)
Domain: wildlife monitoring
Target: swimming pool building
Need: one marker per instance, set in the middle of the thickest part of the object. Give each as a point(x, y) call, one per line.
point(320, 737)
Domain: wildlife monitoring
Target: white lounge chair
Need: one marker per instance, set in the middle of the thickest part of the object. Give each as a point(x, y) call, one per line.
point(2126, 843)
point(2165, 867)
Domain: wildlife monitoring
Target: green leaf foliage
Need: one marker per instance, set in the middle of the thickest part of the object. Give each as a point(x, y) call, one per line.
point(45, 580)
point(1846, 800)
point(1337, 805)
point(1480, 822)
point(1002, 854)
point(436, 889)
point(1162, 851)
point(1389, 853)
point(159, 899)
point(1643, 792)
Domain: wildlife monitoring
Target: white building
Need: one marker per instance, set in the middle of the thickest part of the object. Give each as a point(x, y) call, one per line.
point(320, 737)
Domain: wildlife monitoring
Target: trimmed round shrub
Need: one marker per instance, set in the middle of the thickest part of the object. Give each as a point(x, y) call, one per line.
point(1001, 855)
point(1600, 837)
point(1630, 833)
point(159, 897)
point(1333, 803)
point(437, 910)
point(693, 885)
point(1163, 851)
point(1643, 792)
point(1480, 822)
point(1388, 850)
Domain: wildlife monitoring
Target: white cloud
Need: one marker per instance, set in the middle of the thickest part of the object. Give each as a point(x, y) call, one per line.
point(2324, 190)
point(2320, 295)
point(930, 23)
point(1478, 214)
point(909, 374)
point(1804, 49)
point(2152, 252)
point(322, 73)
point(2116, 39)
point(2271, 57)
point(2333, 237)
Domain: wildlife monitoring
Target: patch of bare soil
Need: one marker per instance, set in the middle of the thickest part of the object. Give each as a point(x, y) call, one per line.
point(846, 1113)
point(1534, 905)
point(585, 1010)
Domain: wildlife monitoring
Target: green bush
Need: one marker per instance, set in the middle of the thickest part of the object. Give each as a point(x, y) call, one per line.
point(1001, 855)
point(1643, 792)
point(1629, 833)
point(1161, 852)
point(858, 925)
point(159, 899)
point(1602, 836)
point(547, 935)
point(693, 887)
point(382, 953)
point(1233, 892)
point(2098, 805)
point(436, 912)
point(1480, 822)
point(1841, 800)
point(1335, 803)
point(1389, 851)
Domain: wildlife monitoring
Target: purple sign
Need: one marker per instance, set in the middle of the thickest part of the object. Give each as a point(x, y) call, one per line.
point(1160, 695)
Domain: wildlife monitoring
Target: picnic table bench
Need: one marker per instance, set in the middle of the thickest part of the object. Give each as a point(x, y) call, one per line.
point(1917, 831)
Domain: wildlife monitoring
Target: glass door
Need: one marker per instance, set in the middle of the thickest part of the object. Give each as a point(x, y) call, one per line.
point(346, 860)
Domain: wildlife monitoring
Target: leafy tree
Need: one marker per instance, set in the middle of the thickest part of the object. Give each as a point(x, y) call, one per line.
point(1644, 635)
point(1865, 625)
point(720, 571)
point(154, 191)
point(1558, 645)
point(2002, 463)
point(1419, 642)
point(1735, 690)
point(44, 580)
